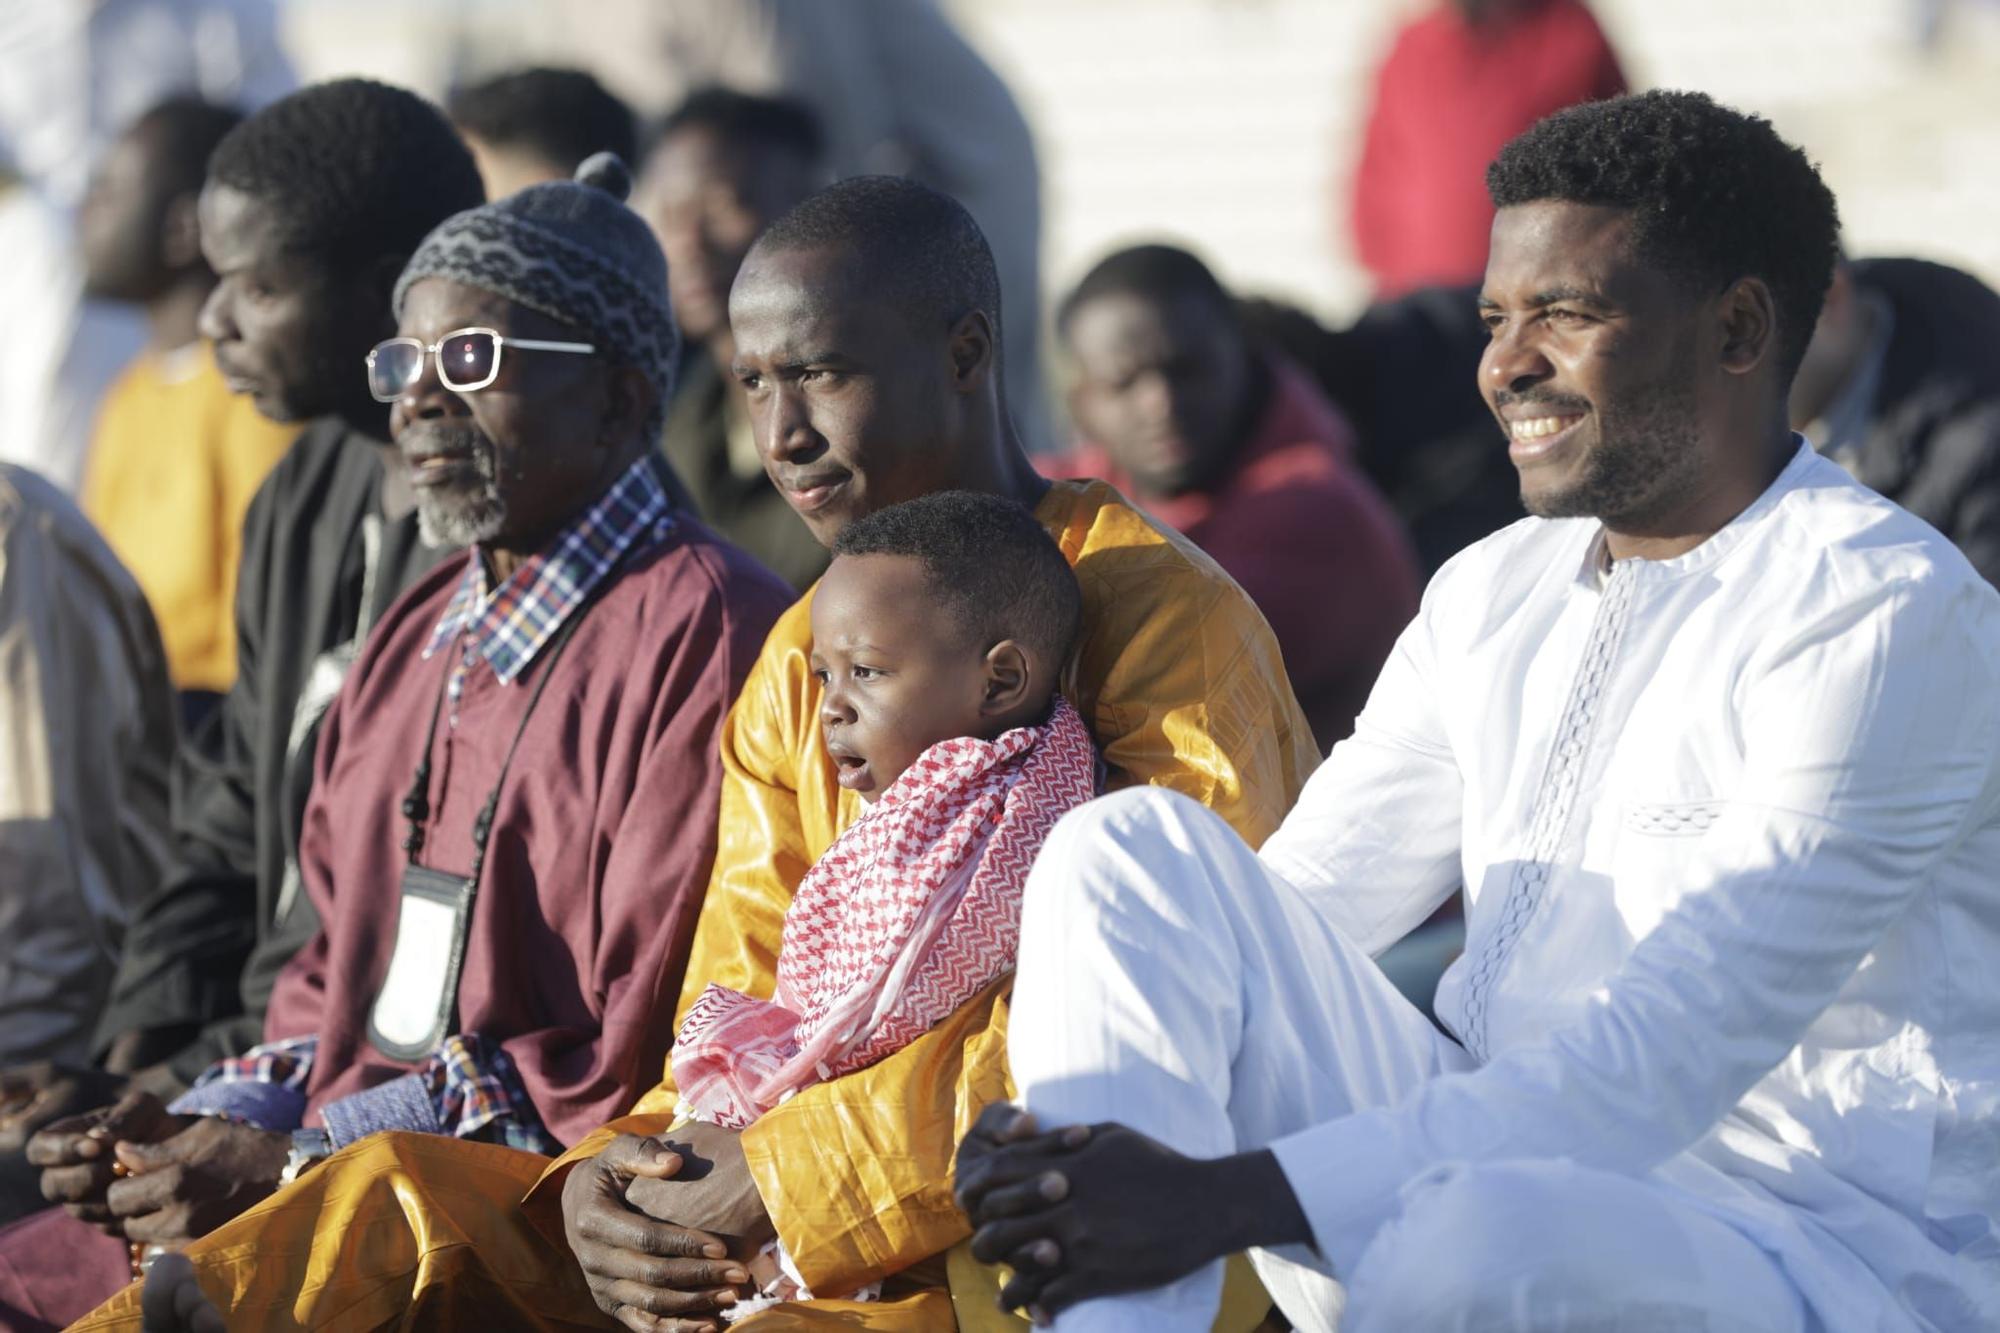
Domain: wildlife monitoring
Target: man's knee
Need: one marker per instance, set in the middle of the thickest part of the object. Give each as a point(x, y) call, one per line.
point(1140, 837)
point(1134, 813)
point(1551, 1247)
point(1473, 1244)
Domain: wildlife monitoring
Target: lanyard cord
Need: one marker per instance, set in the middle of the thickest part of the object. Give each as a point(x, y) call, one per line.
point(416, 802)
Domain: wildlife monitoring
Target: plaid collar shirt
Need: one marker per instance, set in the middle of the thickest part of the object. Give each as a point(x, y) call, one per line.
point(509, 625)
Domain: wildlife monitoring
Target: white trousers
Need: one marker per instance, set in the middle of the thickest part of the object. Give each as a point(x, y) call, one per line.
point(1169, 983)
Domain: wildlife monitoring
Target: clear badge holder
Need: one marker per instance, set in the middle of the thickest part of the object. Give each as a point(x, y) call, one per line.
point(417, 1005)
point(416, 1008)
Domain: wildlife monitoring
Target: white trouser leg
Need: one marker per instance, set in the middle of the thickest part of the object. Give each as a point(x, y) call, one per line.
point(1550, 1247)
point(1169, 983)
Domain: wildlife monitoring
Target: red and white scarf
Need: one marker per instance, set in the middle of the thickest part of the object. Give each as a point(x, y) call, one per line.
point(909, 915)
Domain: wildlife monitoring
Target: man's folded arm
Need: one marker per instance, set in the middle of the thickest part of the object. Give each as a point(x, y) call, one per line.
point(1375, 840)
point(1870, 748)
point(186, 945)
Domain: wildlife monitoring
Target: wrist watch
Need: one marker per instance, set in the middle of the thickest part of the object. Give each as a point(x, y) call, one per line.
point(309, 1148)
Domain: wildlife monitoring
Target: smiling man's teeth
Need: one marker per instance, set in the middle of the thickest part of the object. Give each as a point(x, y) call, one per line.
point(1534, 428)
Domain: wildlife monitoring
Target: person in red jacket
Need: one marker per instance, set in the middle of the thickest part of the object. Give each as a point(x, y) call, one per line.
point(1233, 446)
point(1459, 82)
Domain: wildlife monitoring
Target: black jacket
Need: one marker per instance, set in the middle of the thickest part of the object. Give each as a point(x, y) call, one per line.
point(206, 948)
point(1933, 438)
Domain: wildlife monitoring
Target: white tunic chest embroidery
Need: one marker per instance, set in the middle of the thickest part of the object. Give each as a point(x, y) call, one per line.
point(1554, 804)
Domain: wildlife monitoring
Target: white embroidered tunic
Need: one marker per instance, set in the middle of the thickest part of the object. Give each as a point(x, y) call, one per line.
point(1729, 829)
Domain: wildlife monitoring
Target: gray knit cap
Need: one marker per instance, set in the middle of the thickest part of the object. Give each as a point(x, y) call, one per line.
point(575, 252)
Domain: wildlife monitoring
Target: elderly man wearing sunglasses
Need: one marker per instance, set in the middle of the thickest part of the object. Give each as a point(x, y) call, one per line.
point(514, 812)
point(467, 359)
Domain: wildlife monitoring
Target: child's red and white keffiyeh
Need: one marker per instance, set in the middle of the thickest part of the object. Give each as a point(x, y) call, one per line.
point(909, 915)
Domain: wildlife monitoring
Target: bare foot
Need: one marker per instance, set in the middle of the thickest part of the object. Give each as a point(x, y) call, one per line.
point(173, 1303)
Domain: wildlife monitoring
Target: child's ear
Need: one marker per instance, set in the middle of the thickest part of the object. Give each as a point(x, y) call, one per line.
point(1007, 678)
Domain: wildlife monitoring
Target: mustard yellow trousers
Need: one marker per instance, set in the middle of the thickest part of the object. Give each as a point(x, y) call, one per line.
point(413, 1231)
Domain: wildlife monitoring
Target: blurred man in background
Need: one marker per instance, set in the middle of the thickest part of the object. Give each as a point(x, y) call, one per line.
point(86, 735)
point(1459, 82)
point(73, 76)
point(1901, 387)
point(311, 209)
point(175, 456)
point(534, 125)
point(723, 166)
point(58, 352)
point(1232, 445)
point(898, 90)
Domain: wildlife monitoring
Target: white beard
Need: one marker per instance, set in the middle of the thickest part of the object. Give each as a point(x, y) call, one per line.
point(451, 526)
point(462, 518)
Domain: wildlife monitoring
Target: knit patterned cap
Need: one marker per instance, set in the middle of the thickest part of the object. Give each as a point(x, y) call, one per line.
point(572, 250)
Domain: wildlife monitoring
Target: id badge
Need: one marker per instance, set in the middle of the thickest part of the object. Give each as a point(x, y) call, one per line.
point(417, 1005)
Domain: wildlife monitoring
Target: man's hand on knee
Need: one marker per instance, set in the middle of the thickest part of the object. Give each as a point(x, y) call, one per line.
point(647, 1272)
point(1003, 1136)
point(35, 1096)
point(1095, 1212)
point(76, 1154)
point(186, 1184)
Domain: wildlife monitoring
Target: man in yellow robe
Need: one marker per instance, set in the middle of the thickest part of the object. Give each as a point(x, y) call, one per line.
point(867, 339)
point(175, 456)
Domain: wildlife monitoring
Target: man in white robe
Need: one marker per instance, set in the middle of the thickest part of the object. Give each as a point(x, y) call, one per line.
point(1713, 744)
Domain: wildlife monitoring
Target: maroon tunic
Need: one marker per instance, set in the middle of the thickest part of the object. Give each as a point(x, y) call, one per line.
point(601, 843)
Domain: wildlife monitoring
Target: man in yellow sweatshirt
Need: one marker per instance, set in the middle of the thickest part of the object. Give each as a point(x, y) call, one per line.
point(175, 456)
point(867, 339)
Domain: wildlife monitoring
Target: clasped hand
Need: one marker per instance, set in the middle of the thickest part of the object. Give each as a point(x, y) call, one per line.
point(1097, 1210)
point(663, 1230)
point(135, 1170)
point(34, 1096)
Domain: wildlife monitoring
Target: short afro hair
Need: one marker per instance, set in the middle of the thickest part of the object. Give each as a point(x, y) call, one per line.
point(560, 115)
point(988, 560)
point(782, 123)
point(1154, 272)
point(180, 134)
point(918, 248)
point(1714, 193)
point(355, 170)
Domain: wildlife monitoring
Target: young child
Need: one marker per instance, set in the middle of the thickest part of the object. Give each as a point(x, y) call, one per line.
point(939, 634)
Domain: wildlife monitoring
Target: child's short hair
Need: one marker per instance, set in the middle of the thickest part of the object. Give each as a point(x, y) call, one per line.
point(988, 559)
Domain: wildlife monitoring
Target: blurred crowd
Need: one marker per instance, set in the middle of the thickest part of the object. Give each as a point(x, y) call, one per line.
point(216, 343)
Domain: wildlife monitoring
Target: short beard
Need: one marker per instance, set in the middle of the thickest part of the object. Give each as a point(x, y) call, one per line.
point(1647, 460)
point(464, 517)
